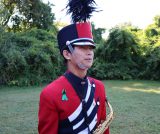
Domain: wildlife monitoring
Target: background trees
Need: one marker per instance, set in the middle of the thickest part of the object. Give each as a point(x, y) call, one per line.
point(25, 14)
point(152, 44)
point(28, 58)
point(29, 53)
point(117, 56)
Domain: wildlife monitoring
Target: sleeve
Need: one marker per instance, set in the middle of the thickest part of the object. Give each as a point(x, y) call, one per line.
point(104, 114)
point(48, 116)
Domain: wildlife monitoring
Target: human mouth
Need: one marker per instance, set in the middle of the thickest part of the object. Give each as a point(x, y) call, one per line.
point(88, 59)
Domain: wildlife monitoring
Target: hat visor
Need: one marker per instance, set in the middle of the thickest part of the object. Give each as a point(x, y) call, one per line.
point(84, 44)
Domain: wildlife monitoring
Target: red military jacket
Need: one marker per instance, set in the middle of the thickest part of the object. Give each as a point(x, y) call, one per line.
point(63, 116)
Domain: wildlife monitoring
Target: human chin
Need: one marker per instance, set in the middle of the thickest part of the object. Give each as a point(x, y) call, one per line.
point(89, 64)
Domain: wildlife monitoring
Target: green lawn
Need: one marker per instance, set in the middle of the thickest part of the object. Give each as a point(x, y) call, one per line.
point(18, 110)
point(136, 105)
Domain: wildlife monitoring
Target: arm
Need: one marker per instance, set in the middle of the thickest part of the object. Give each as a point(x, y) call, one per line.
point(104, 113)
point(48, 115)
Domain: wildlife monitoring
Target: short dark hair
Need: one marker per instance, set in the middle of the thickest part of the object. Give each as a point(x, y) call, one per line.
point(65, 60)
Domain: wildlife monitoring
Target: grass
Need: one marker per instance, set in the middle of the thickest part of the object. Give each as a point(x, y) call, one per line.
point(136, 105)
point(18, 110)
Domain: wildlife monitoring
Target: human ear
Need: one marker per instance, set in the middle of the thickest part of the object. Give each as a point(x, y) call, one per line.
point(66, 54)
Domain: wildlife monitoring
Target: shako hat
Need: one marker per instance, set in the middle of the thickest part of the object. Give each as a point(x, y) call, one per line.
point(80, 32)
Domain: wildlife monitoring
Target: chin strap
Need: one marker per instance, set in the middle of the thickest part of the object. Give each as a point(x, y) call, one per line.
point(68, 43)
point(81, 66)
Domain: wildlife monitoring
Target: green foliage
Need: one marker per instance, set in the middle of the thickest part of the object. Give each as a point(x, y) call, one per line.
point(157, 20)
point(117, 57)
point(97, 34)
point(152, 70)
point(25, 14)
point(129, 53)
point(103, 70)
point(29, 58)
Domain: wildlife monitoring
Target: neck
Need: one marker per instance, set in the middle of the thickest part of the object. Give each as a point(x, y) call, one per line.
point(77, 71)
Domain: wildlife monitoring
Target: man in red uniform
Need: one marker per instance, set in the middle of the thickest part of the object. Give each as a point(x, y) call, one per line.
point(73, 103)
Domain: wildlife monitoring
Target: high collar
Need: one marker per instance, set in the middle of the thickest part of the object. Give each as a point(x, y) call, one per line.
point(77, 79)
point(80, 85)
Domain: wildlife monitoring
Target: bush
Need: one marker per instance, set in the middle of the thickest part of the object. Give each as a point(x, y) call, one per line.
point(104, 70)
point(29, 58)
point(117, 57)
point(152, 70)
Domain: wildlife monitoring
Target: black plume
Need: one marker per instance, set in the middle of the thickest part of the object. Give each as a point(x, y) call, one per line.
point(81, 10)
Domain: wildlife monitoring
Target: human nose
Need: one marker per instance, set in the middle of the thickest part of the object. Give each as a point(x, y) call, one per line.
point(89, 51)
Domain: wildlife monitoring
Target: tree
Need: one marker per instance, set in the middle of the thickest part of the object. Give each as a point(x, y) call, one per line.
point(121, 44)
point(117, 58)
point(97, 34)
point(26, 14)
point(28, 57)
point(157, 20)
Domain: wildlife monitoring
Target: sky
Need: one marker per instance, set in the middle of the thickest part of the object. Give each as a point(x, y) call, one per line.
point(138, 12)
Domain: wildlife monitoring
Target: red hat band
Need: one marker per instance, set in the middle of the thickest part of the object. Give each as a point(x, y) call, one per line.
point(75, 34)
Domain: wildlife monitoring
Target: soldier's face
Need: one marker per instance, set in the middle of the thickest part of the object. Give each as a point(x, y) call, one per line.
point(82, 56)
